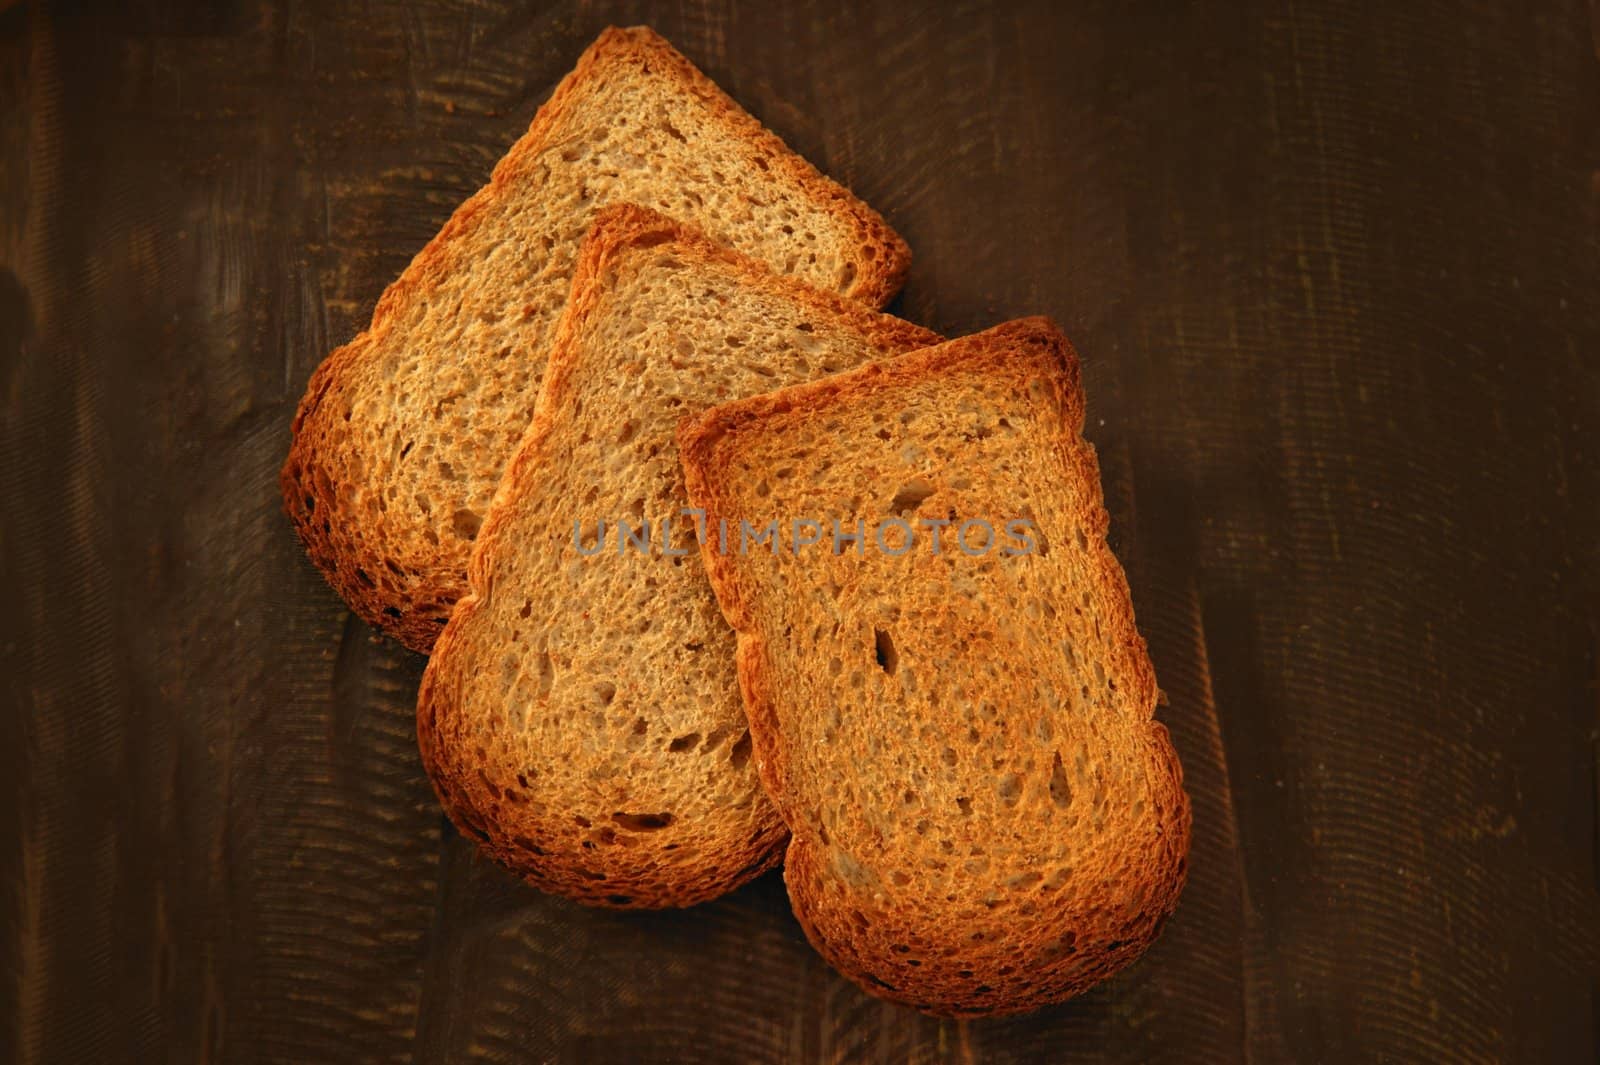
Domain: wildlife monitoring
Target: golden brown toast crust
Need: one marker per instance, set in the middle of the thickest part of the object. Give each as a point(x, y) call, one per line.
point(410, 598)
point(951, 963)
point(477, 797)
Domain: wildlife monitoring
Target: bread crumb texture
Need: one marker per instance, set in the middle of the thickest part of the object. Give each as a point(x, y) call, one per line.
point(985, 816)
point(403, 433)
point(580, 716)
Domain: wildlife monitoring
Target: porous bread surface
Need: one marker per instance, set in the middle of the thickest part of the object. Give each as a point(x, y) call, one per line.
point(403, 433)
point(985, 816)
point(580, 715)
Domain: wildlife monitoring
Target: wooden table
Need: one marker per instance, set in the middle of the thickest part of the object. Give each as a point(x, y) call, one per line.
point(1333, 271)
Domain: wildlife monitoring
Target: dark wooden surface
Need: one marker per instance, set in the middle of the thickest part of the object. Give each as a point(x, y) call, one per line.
point(1333, 270)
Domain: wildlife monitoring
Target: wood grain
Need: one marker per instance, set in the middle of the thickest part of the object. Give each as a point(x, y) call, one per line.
point(1331, 267)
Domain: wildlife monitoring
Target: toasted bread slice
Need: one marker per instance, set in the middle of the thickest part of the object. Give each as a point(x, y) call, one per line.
point(580, 715)
point(404, 432)
point(985, 816)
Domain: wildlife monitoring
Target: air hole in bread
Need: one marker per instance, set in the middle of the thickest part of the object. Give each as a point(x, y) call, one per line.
point(883, 644)
point(1010, 789)
point(683, 743)
point(910, 497)
point(847, 277)
point(740, 754)
point(965, 804)
point(606, 691)
point(626, 433)
point(642, 822)
point(1060, 786)
point(466, 523)
point(546, 673)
